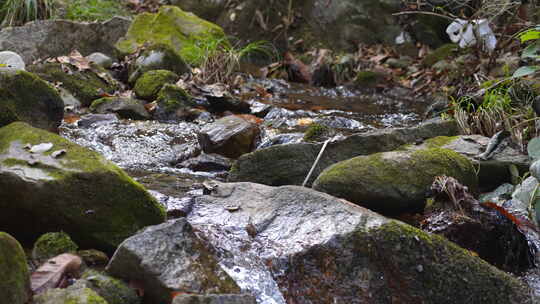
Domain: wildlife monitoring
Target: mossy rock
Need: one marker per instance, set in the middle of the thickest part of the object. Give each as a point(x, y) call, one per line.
point(368, 78)
point(317, 132)
point(15, 278)
point(149, 84)
point(26, 97)
point(173, 103)
point(93, 257)
point(79, 192)
point(394, 182)
point(86, 85)
point(125, 107)
point(441, 53)
point(169, 26)
point(74, 294)
point(157, 57)
point(114, 291)
point(52, 244)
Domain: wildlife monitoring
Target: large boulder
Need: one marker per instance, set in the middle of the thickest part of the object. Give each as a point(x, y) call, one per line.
point(26, 97)
point(295, 245)
point(15, 281)
point(272, 165)
point(56, 185)
point(86, 85)
point(394, 182)
point(170, 257)
point(52, 38)
point(170, 26)
point(230, 136)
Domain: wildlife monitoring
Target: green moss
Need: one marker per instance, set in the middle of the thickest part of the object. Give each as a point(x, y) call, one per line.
point(98, 102)
point(316, 132)
point(86, 85)
point(368, 78)
point(26, 97)
point(439, 141)
point(112, 290)
point(52, 244)
point(439, 54)
point(82, 178)
point(15, 278)
point(92, 10)
point(170, 26)
point(149, 84)
point(173, 97)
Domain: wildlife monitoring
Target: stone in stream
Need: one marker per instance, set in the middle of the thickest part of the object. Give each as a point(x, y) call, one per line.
point(86, 85)
point(394, 182)
point(15, 278)
point(26, 97)
point(289, 164)
point(125, 107)
point(79, 192)
point(230, 136)
point(295, 245)
point(170, 257)
point(52, 38)
point(207, 162)
point(173, 104)
point(148, 85)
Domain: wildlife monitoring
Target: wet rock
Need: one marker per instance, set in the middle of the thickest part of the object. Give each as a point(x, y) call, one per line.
point(170, 257)
point(214, 299)
point(125, 107)
point(26, 97)
point(220, 100)
point(230, 136)
point(86, 86)
point(11, 62)
point(295, 245)
point(73, 294)
point(494, 170)
point(148, 85)
point(114, 291)
point(110, 205)
point(272, 166)
point(53, 38)
point(100, 59)
point(170, 26)
point(90, 120)
point(208, 162)
point(52, 244)
point(15, 282)
point(498, 196)
point(281, 139)
point(157, 57)
point(394, 182)
point(173, 104)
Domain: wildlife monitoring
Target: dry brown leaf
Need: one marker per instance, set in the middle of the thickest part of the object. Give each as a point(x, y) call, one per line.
point(54, 272)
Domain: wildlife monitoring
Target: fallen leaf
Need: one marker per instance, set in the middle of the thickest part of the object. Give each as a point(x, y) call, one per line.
point(55, 272)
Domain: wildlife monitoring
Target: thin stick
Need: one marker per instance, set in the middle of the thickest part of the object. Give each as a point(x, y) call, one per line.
point(315, 163)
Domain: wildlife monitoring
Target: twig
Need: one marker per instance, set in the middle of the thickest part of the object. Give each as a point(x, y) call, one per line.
point(315, 162)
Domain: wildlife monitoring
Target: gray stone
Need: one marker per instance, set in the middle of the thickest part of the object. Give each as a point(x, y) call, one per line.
point(100, 59)
point(10, 61)
point(125, 107)
point(207, 162)
point(295, 245)
point(53, 38)
point(170, 257)
point(109, 207)
point(230, 136)
point(114, 291)
point(15, 282)
point(214, 299)
point(272, 166)
point(157, 57)
point(535, 169)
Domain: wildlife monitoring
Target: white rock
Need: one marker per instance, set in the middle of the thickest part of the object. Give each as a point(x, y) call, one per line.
point(11, 61)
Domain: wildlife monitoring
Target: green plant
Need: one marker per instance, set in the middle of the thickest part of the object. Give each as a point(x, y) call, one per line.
point(530, 52)
point(217, 59)
point(92, 10)
point(18, 12)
